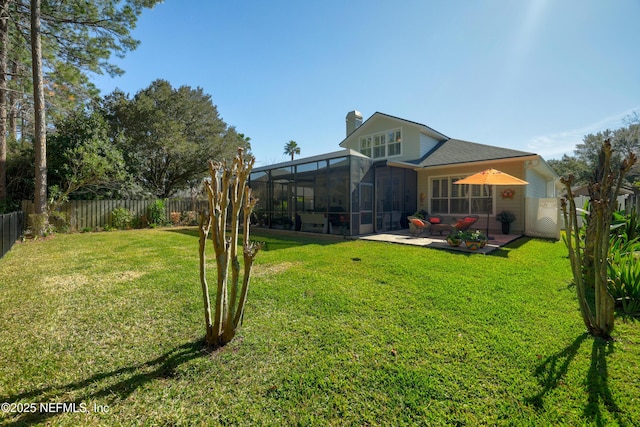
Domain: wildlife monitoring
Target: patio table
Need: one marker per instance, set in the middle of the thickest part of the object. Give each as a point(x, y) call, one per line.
point(440, 228)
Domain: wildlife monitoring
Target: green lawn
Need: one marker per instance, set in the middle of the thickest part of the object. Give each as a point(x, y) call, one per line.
point(336, 332)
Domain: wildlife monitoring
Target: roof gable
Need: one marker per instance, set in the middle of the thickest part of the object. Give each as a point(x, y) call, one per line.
point(363, 128)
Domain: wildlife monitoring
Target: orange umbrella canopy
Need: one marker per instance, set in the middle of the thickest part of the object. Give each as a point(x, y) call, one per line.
point(491, 177)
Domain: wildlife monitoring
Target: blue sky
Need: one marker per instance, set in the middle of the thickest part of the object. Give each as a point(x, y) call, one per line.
point(532, 75)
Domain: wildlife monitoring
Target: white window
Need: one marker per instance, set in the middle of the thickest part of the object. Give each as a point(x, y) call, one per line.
point(365, 146)
point(450, 198)
point(394, 141)
point(379, 146)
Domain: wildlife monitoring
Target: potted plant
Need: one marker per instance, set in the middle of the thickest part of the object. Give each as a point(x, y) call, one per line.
point(506, 218)
point(475, 240)
point(455, 237)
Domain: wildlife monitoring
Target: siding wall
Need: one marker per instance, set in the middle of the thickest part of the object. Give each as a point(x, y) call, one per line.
point(537, 184)
point(426, 144)
point(515, 204)
point(411, 137)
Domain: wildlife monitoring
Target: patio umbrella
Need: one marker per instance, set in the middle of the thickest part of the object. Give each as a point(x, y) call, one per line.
point(491, 177)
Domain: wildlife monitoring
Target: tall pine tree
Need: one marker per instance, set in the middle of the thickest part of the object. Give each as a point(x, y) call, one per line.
point(77, 37)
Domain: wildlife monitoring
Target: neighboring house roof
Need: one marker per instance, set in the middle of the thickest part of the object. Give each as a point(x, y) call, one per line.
point(455, 151)
point(424, 128)
point(583, 190)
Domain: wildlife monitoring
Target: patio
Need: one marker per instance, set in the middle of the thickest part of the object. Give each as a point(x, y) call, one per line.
point(403, 237)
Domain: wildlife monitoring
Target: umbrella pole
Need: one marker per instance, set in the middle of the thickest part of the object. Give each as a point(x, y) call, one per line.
point(489, 206)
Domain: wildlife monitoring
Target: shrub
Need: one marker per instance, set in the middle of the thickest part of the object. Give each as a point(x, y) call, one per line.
point(626, 225)
point(157, 216)
point(189, 218)
point(624, 273)
point(623, 268)
point(140, 222)
point(624, 282)
point(176, 218)
point(121, 218)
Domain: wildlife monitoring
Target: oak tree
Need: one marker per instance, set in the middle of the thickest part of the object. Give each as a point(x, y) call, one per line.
point(165, 133)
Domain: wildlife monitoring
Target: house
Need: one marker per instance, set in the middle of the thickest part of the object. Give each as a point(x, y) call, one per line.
point(388, 169)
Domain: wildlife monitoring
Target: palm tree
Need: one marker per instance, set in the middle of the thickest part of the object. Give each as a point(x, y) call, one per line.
point(292, 149)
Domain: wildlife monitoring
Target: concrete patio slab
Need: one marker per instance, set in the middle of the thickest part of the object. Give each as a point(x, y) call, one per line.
point(405, 238)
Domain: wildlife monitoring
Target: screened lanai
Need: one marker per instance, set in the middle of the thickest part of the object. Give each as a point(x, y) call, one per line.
point(336, 193)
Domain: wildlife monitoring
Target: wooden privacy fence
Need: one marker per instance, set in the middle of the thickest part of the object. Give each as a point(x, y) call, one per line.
point(11, 229)
point(92, 214)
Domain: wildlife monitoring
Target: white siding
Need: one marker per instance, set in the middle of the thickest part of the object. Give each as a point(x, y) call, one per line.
point(537, 184)
point(426, 144)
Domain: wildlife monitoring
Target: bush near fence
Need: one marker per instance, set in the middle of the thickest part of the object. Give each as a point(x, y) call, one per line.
point(82, 215)
point(11, 229)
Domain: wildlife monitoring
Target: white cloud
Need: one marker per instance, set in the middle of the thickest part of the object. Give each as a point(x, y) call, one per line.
point(555, 145)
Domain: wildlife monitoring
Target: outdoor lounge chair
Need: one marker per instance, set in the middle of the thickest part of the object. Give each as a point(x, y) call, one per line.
point(460, 225)
point(419, 226)
point(466, 222)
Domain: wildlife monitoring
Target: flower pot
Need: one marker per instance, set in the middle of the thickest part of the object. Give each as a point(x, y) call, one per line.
point(453, 241)
point(474, 245)
point(506, 227)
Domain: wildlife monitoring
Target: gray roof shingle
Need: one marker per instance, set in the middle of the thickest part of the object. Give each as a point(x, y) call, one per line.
point(455, 151)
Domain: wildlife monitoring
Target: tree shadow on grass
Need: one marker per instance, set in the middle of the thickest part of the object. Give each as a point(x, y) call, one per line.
point(552, 371)
point(274, 239)
point(505, 250)
point(598, 385)
point(134, 377)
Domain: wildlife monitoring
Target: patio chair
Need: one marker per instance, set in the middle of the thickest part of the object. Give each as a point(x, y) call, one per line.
point(419, 226)
point(466, 222)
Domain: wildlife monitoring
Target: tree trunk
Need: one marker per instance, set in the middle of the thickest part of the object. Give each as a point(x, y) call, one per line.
point(589, 253)
point(204, 232)
point(4, 47)
point(576, 256)
point(12, 107)
point(228, 195)
point(40, 141)
point(604, 302)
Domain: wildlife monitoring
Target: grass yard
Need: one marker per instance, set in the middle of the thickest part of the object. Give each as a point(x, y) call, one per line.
point(336, 332)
